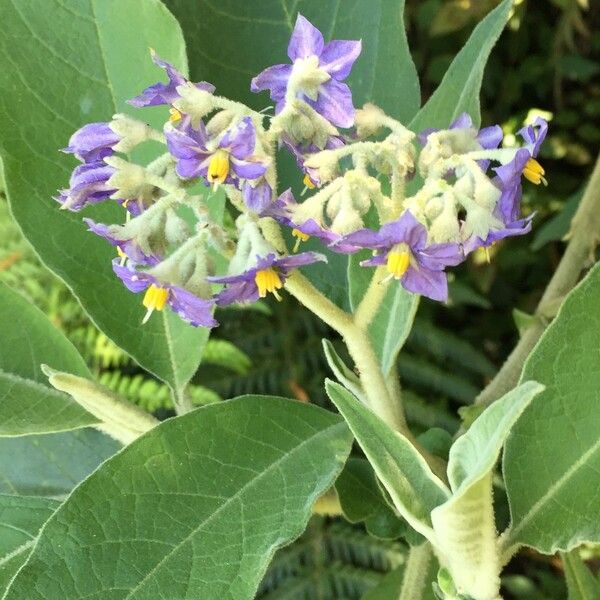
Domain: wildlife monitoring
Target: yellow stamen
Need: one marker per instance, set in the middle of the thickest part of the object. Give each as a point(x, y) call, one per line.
point(218, 168)
point(268, 280)
point(308, 182)
point(300, 237)
point(398, 261)
point(121, 255)
point(154, 299)
point(175, 115)
point(534, 172)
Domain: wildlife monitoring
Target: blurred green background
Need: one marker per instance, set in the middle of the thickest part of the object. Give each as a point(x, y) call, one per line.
point(546, 62)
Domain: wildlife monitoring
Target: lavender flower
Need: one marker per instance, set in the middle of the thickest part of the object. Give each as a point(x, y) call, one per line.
point(316, 74)
point(402, 246)
point(226, 160)
point(196, 311)
point(127, 248)
point(303, 151)
point(88, 185)
point(165, 93)
point(92, 142)
point(267, 276)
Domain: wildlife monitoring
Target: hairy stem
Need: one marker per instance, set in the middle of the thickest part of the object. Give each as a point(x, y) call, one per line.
point(583, 239)
point(416, 571)
point(372, 299)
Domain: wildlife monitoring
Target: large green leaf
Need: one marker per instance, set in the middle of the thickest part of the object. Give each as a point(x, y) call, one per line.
point(27, 403)
point(234, 40)
point(553, 494)
point(394, 318)
point(53, 464)
point(459, 90)
point(193, 509)
point(65, 63)
point(414, 489)
point(20, 521)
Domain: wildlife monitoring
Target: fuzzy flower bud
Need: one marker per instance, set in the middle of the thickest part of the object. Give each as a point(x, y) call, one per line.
point(130, 131)
point(368, 120)
point(194, 102)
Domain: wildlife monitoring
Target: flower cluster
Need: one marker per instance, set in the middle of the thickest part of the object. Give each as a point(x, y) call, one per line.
point(358, 165)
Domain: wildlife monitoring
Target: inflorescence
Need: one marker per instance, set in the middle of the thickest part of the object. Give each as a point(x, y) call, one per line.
point(468, 196)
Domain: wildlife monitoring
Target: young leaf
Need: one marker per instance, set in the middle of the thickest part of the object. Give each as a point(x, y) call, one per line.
point(464, 526)
point(102, 65)
point(20, 521)
point(581, 583)
point(27, 404)
point(459, 90)
point(342, 372)
point(553, 494)
point(414, 489)
point(51, 465)
point(194, 508)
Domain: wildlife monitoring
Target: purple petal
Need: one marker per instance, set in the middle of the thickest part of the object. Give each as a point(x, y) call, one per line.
point(363, 238)
point(490, 137)
point(338, 56)
point(127, 246)
point(463, 121)
point(433, 284)
point(240, 140)
point(273, 78)
point(535, 137)
point(245, 276)
point(306, 40)
point(243, 291)
point(245, 169)
point(135, 281)
point(92, 142)
point(298, 260)
point(374, 261)
point(334, 103)
point(438, 256)
point(405, 229)
point(196, 311)
point(257, 198)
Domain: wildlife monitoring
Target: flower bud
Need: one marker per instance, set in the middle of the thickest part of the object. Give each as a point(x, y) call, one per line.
point(193, 102)
point(131, 131)
point(368, 120)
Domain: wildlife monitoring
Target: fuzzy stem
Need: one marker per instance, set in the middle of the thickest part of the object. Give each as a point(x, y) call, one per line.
point(415, 581)
point(583, 239)
point(372, 299)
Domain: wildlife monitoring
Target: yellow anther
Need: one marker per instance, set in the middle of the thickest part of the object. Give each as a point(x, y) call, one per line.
point(218, 168)
point(175, 115)
point(534, 172)
point(398, 261)
point(154, 299)
point(120, 253)
point(268, 280)
point(300, 237)
point(308, 182)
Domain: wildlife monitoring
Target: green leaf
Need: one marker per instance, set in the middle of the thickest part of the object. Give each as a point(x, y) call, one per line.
point(553, 494)
point(51, 465)
point(581, 583)
point(195, 508)
point(96, 64)
point(459, 90)
point(394, 318)
point(343, 373)
point(464, 526)
point(414, 489)
point(475, 453)
point(27, 404)
point(20, 521)
point(257, 36)
point(362, 500)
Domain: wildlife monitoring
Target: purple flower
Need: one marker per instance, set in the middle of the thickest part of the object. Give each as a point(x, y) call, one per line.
point(88, 185)
point(195, 311)
point(319, 69)
point(402, 246)
point(92, 142)
point(165, 93)
point(126, 247)
point(268, 275)
point(227, 160)
point(257, 195)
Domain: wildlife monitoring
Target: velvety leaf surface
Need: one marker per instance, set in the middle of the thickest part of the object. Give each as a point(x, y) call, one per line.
point(459, 90)
point(193, 509)
point(27, 403)
point(554, 494)
point(53, 464)
point(20, 521)
point(414, 489)
point(96, 62)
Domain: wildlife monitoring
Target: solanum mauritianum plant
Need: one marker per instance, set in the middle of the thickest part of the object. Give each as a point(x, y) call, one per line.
point(187, 205)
